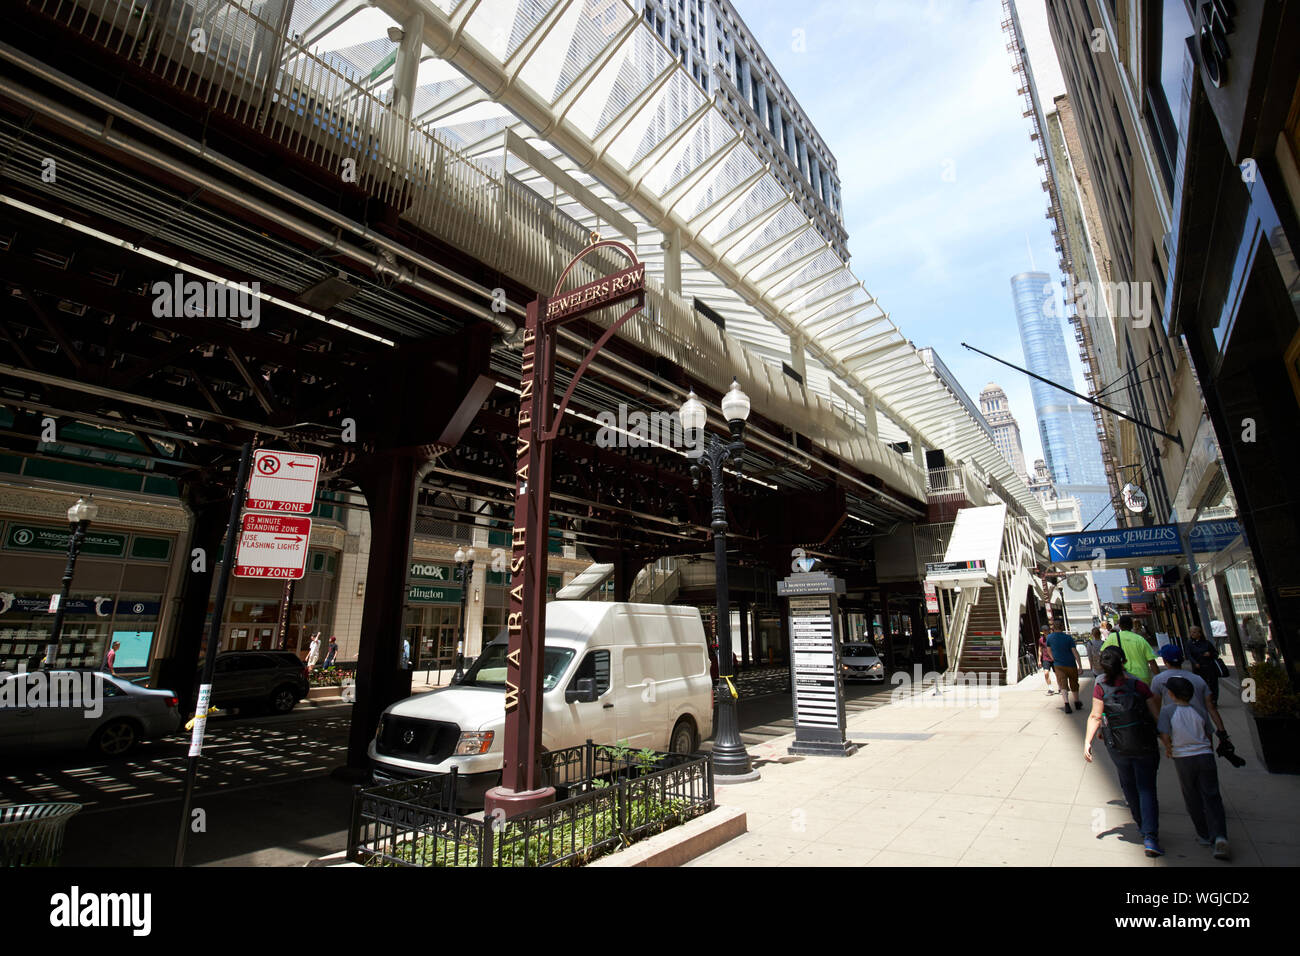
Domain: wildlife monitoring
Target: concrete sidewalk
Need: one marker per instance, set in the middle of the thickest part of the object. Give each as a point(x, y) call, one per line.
point(952, 779)
point(421, 682)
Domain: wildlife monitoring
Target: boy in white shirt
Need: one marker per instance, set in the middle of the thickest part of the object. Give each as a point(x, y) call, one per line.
point(1186, 734)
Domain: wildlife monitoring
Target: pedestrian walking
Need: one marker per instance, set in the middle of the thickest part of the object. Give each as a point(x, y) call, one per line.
point(313, 652)
point(1045, 660)
point(1202, 700)
point(1065, 663)
point(1130, 711)
point(1094, 652)
point(331, 653)
point(1138, 654)
point(1256, 642)
point(1205, 660)
point(111, 657)
point(1185, 732)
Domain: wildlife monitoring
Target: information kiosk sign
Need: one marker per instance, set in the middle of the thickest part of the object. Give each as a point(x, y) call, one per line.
point(812, 598)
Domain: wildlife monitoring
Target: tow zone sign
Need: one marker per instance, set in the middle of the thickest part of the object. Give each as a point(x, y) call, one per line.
point(283, 482)
point(272, 546)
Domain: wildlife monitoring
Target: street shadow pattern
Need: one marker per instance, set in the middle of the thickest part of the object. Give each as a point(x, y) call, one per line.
point(234, 755)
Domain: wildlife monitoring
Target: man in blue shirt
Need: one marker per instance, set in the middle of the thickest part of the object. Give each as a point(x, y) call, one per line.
point(1065, 658)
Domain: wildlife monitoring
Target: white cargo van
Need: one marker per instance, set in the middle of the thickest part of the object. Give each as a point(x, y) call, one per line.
point(612, 672)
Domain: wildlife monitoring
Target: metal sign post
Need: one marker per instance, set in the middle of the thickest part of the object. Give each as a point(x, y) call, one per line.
point(210, 659)
point(521, 786)
point(813, 601)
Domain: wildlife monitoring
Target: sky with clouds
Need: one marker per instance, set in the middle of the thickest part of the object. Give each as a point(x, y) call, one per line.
point(942, 196)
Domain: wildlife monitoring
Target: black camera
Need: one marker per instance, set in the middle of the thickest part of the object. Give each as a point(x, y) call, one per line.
point(1228, 752)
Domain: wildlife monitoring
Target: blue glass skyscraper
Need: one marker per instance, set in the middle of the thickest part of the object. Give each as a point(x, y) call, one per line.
point(1070, 445)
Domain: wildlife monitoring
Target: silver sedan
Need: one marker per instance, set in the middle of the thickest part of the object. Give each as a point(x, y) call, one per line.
point(859, 661)
point(48, 710)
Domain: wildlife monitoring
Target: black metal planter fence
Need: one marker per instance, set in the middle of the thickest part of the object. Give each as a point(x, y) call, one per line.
point(609, 797)
point(31, 834)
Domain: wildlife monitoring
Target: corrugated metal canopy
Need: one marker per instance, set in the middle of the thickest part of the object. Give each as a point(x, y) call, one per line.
point(589, 85)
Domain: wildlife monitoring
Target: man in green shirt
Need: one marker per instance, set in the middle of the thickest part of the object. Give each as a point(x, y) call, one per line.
point(1138, 654)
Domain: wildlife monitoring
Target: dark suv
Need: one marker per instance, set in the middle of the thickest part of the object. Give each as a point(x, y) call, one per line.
point(274, 679)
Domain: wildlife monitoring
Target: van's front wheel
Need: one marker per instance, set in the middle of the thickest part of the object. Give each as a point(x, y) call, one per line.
point(684, 739)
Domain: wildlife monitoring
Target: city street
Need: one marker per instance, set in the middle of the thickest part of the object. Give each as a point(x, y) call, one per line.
point(642, 376)
point(265, 786)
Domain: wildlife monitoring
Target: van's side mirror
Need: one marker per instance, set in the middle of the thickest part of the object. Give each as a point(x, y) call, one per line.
point(584, 692)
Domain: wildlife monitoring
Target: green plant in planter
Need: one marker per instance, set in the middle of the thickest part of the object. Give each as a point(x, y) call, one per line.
point(618, 752)
point(1274, 696)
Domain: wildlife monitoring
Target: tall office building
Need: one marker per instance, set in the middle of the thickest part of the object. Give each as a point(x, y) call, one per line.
point(719, 51)
point(1079, 238)
point(1006, 431)
point(1065, 424)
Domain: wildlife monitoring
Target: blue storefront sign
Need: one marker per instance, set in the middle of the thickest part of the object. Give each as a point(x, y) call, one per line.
point(134, 608)
point(1161, 540)
point(99, 606)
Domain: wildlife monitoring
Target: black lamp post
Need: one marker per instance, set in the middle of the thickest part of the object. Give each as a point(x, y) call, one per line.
point(464, 570)
point(729, 757)
point(80, 515)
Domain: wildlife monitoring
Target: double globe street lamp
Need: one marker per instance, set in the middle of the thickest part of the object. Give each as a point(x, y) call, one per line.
point(464, 569)
point(730, 760)
point(80, 515)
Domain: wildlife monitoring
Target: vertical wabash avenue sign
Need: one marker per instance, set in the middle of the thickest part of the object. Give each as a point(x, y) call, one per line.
point(521, 787)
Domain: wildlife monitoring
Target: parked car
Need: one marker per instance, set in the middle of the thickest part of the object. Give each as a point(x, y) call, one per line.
point(273, 679)
point(636, 674)
point(57, 709)
point(861, 662)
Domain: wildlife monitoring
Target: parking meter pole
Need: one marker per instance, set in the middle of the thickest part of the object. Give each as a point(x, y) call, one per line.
point(210, 657)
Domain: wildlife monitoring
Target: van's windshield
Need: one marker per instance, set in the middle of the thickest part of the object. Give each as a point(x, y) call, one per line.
point(490, 669)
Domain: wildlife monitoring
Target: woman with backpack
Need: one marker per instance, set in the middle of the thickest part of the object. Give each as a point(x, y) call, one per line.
point(1130, 712)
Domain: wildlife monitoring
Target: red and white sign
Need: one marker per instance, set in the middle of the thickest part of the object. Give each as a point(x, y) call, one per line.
point(283, 481)
point(931, 599)
point(1151, 582)
point(272, 546)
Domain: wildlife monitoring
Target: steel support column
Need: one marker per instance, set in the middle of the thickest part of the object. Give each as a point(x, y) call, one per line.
point(208, 505)
point(389, 484)
point(744, 635)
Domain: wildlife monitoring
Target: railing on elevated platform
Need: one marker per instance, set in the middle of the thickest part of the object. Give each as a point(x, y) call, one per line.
point(318, 107)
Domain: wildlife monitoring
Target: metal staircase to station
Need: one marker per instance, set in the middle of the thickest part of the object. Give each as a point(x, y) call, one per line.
point(983, 623)
point(982, 650)
point(657, 583)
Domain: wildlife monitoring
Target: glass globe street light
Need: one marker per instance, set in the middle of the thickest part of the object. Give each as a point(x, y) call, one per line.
point(731, 763)
point(464, 568)
point(80, 515)
point(693, 414)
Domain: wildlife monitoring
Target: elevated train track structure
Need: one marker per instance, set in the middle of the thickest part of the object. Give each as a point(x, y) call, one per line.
point(399, 179)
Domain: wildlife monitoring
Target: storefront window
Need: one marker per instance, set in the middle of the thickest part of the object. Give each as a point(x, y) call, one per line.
point(433, 630)
point(89, 622)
